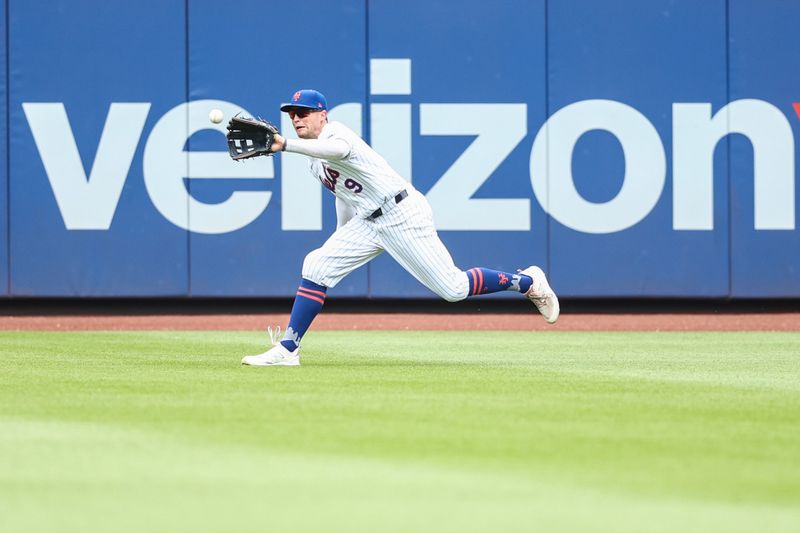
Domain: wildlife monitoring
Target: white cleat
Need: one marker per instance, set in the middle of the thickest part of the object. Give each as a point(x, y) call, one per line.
point(275, 356)
point(541, 294)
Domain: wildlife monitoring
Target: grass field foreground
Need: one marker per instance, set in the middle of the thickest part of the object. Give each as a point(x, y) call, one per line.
point(401, 431)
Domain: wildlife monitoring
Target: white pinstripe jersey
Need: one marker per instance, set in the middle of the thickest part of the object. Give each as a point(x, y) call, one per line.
point(363, 179)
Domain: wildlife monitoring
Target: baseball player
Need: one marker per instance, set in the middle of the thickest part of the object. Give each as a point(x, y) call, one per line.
point(377, 210)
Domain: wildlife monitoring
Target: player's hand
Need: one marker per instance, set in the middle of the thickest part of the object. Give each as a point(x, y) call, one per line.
point(278, 142)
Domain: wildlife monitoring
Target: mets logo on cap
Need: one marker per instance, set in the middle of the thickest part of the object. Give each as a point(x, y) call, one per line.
point(296, 96)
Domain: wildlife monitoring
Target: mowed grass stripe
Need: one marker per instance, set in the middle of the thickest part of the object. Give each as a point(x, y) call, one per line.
point(402, 430)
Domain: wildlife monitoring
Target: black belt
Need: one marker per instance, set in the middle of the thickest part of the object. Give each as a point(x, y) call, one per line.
point(397, 199)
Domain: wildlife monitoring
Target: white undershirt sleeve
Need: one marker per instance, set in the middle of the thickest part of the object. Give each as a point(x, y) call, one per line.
point(343, 213)
point(330, 149)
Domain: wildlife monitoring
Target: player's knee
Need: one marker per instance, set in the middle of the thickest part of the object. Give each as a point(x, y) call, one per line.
point(454, 293)
point(311, 269)
point(452, 297)
point(456, 288)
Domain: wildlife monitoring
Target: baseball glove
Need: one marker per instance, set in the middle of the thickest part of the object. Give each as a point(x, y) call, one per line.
point(249, 137)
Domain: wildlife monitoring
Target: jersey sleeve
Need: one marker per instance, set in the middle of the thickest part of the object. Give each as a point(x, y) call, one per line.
point(330, 149)
point(333, 144)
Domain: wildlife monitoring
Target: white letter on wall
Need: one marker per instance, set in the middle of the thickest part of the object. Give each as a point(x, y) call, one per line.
point(390, 124)
point(551, 166)
point(696, 135)
point(86, 204)
point(499, 129)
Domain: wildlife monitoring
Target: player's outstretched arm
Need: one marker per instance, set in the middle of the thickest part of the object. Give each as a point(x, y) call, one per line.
point(330, 149)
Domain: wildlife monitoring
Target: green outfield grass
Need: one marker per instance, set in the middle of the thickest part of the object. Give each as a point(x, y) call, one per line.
point(401, 431)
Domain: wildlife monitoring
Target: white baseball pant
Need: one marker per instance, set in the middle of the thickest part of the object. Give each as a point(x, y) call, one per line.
point(405, 230)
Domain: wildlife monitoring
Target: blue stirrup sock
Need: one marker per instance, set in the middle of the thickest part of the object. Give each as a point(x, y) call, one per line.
point(487, 281)
point(307, 304)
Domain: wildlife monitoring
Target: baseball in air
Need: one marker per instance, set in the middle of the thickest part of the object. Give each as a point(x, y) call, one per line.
point(215, 116)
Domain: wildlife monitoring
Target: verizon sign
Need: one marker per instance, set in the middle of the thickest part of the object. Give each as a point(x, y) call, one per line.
point(87, 200)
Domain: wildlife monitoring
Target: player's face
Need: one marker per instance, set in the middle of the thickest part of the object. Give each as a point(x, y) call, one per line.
point(308, 123)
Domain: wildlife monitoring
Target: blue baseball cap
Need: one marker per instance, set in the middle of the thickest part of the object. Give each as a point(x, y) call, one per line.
point(307, 98)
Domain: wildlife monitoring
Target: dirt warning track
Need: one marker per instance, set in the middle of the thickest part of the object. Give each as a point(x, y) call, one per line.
point(412, 321)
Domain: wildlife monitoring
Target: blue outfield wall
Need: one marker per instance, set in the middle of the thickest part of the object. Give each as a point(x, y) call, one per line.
point(88, 84)
point(764, 47)
point(631, 148)
point(615, 63)
point(274, 215)
point(3, 157)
